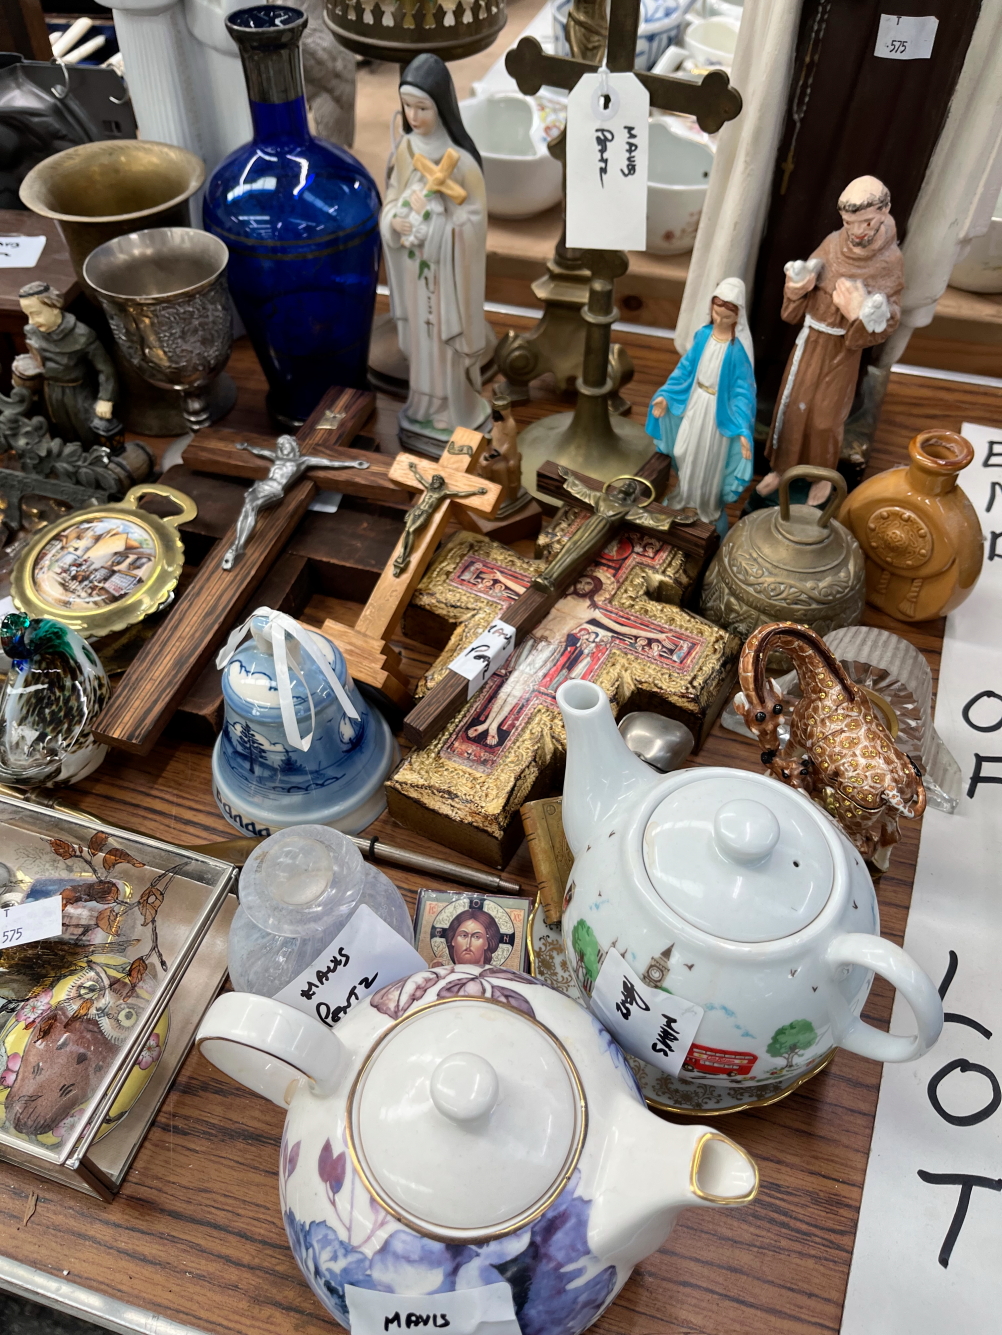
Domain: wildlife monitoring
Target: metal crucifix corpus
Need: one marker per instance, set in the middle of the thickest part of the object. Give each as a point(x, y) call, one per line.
point(624, 500)
point(557, 342)
point(442, 492)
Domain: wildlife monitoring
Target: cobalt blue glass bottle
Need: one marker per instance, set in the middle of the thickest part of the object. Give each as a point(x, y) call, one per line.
point(301, 220)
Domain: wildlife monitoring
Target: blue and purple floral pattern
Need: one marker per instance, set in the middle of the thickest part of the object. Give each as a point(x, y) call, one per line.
point(558, 1286)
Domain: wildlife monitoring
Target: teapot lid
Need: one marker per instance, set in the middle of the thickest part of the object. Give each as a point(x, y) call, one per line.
point(739, 856)
point(449, 1100)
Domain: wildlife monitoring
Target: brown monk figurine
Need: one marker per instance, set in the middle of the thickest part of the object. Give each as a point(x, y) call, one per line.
point(502, 462)
point(846, 298)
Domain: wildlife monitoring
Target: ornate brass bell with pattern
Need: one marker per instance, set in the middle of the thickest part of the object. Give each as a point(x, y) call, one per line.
point(788, 564)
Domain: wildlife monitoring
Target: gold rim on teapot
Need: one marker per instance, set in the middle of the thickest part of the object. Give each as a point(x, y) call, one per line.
point(104, 568)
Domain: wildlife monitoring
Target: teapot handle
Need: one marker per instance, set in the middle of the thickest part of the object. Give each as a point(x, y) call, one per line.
point(269, 1046)
point(901, 971)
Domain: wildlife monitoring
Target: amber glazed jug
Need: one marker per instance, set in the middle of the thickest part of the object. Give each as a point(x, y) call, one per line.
point(920, 534)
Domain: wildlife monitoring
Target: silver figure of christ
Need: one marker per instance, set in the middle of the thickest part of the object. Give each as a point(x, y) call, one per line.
point(287, 464)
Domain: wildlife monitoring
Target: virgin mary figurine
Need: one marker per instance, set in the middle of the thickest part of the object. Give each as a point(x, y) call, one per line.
point(704, 414)
point(434, 227)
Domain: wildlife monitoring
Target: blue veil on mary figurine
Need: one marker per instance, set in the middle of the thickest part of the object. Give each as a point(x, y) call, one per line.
point(704, 414)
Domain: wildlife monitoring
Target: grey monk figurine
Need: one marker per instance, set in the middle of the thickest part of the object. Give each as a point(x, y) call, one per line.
point(286, 465)
point(80, 380)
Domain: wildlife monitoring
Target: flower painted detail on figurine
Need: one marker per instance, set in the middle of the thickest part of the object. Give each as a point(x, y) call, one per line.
point(35, 1008)
point(151, 1053)
point(332, 1168)
point(9, 1073)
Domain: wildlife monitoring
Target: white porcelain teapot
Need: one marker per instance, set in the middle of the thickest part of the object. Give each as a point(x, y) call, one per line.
point(467, 1129)
point(727, 890)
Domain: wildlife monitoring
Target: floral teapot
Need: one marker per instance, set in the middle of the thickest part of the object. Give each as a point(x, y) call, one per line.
point(467, 1136)
point(739, 899)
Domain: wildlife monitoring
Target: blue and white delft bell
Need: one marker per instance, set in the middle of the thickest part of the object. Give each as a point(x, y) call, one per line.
point(299, 745)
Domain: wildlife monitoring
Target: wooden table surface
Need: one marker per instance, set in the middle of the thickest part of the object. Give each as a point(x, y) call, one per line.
point(196, 1234)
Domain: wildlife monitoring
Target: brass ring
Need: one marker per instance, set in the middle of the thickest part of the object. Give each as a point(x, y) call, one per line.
point(632, 477)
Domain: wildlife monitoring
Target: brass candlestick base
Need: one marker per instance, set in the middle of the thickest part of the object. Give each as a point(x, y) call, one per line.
point(557, 342)
point(589, 440)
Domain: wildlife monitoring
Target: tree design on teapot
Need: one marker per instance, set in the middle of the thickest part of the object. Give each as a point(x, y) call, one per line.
point(791, 1041)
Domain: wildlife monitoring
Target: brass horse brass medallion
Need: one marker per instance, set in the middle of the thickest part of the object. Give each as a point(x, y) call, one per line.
point(105, 568)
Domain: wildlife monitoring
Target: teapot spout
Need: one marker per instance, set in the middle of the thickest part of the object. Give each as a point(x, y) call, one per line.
point(601, 769)
point(650, 1171)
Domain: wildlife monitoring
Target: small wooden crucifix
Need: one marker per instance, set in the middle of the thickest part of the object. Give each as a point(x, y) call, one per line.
point(612, 507)
point(444, 486)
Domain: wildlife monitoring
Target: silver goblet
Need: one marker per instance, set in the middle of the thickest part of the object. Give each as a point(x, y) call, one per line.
point(165, 295)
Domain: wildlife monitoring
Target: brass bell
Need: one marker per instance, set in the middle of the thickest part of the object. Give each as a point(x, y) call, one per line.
point(788, 564)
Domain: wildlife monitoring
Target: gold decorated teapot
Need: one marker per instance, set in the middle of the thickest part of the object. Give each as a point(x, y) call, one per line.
point(788, 564)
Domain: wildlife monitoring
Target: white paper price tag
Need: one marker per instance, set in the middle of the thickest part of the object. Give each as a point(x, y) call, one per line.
point(364, 957)
point(485, 1311)
point(485, 655)
point(655, 1026)
point(902, 37)
point(607, 162)
point(36, 921)
point(20, 252)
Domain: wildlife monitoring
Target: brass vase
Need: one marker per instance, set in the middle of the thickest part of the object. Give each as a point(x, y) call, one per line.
point(787, 564)
point(96, 192)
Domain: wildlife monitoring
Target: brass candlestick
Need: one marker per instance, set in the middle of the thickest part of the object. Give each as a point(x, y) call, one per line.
point(589, 440)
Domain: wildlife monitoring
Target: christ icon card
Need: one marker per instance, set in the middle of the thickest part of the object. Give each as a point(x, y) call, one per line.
point(457, 927)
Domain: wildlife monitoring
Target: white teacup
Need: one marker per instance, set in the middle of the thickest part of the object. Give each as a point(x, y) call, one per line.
point(712, 41)
point(521, 176)
point(677, 176)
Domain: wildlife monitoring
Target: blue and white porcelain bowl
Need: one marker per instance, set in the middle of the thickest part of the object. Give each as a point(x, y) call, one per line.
point(260, 781)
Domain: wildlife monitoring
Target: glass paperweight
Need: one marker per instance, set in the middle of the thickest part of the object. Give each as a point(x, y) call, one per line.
point(298, 890)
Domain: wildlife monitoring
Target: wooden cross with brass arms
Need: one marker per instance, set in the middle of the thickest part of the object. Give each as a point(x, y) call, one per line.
point(557, 342)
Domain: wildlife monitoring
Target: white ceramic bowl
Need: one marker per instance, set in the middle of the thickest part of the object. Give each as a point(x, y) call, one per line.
point(981, 268)
point(725, 9)
point(521, 176)
point(678, 174)
point(712, 41)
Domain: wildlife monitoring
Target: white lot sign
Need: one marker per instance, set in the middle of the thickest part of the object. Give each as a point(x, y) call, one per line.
point(928, 1254)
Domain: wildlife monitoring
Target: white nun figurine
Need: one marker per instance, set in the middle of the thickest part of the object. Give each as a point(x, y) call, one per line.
point(704, 415)
point(434, 228)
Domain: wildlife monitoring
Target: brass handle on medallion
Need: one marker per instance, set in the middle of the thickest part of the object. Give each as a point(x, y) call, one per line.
point(816, 474)
point(185, 504)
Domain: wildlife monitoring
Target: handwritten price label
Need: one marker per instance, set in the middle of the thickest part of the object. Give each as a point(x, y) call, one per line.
point(902, 37)
point(20, 252)
point(365, 956)
point(656, 1026)
point(607, 162)
point(485, 655)
point(35, 921)
point(485, 1311)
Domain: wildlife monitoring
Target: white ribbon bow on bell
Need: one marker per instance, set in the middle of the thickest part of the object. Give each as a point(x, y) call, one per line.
point(282, 628)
